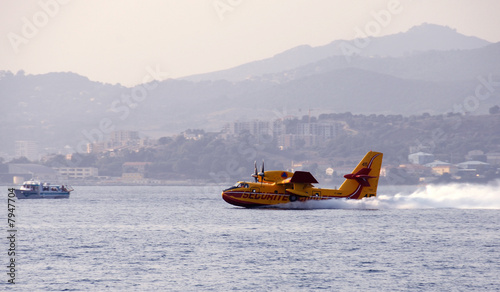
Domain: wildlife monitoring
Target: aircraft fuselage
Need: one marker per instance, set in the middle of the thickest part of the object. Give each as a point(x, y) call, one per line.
point(257, 194)
point(281, 187)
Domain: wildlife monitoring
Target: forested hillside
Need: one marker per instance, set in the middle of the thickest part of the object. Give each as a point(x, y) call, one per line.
point(449, 137)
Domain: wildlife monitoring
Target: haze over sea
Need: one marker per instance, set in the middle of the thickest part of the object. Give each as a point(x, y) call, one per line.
point(143, 238)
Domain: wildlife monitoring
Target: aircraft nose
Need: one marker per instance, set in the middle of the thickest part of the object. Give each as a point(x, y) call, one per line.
point(233, 199)
point(226, 197)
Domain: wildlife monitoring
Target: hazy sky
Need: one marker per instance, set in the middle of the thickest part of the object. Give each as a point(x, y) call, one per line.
point(117, 41)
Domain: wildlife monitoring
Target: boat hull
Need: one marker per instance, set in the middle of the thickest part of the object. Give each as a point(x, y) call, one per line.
point(20, 194)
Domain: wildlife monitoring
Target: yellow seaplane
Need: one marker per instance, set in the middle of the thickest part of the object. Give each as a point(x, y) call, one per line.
point(280, 187)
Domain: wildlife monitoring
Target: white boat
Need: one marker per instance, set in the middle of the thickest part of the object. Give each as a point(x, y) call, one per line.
point(36, 190)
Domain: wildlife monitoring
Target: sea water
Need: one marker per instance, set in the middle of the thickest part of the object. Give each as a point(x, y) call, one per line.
point(143, 238)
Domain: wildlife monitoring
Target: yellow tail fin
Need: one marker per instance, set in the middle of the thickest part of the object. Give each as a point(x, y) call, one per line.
point(363, 180)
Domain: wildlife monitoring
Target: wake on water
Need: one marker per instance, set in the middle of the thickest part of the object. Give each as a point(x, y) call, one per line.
point(456, 195)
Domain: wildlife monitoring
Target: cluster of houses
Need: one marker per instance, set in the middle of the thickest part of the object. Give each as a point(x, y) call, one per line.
point(16, 173)
point(421, 168)
point(422, 165)
point(478, 164)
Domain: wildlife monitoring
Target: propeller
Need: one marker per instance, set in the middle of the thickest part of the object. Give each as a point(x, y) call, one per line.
point(261, 174)
point(256, 174)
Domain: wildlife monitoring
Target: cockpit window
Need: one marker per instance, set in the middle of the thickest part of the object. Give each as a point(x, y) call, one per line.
point(238, 185)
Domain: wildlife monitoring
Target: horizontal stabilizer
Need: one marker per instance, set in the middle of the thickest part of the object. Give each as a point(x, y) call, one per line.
point(303, 177)
point(361, 176)
point(363, 171)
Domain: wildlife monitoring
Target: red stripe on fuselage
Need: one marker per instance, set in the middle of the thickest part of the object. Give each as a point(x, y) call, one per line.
point(241, 199)
point(355, 195)
point(233, 201)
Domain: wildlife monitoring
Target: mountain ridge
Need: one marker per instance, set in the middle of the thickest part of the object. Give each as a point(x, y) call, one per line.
point(59, 109)
point(395, 45)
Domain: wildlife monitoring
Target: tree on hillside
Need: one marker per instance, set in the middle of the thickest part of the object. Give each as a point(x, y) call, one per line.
point(20, 160)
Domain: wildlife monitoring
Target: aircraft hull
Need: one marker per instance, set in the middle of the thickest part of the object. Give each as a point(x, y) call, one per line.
point(280, 187)
point(252, 200)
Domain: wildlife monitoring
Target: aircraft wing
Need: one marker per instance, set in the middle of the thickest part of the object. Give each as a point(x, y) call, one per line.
point(303, 177)
point(301, 180)
point(299, 177)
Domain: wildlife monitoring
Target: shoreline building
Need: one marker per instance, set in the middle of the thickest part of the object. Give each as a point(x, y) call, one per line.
point(77, 172)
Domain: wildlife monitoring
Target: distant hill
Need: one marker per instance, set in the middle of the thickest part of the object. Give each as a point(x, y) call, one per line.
point(435, 66)
point(362, 91)
point(419, 39)
point(407, 76)
point(51, 108)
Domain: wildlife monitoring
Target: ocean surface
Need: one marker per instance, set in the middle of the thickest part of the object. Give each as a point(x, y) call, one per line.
point(171, 238)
